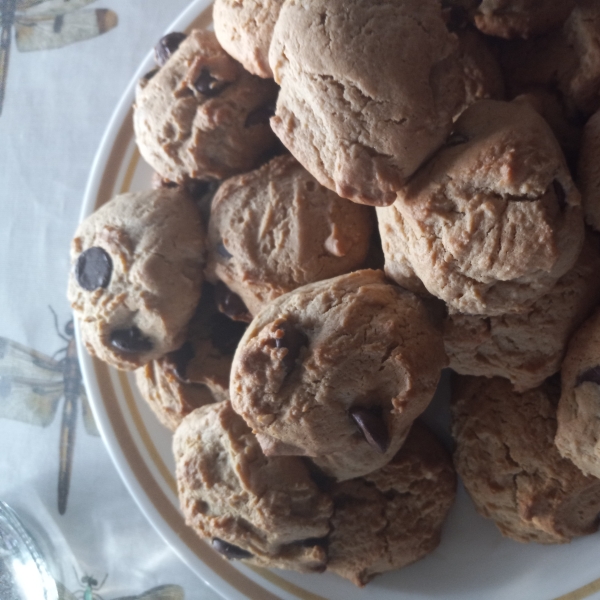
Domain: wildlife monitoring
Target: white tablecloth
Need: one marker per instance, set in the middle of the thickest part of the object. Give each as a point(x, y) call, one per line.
point(56, 107)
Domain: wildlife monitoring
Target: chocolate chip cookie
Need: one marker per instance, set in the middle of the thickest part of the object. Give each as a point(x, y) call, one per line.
point(392, 517)
point(358, 117)
point(266, 511)
point(578, 431)
point(201, 116)
point(275, 229)
point(197, 373)
point(527, 348)
point(136, 275)
point(245, 29)
point(506, 457)
point(337, 370)
point(493, 220)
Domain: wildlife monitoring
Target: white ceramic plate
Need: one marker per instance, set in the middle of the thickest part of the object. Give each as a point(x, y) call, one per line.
point(472, 562)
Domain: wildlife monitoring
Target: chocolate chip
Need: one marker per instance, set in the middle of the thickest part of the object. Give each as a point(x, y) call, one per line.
point(561, 195)
point(208, 85)
point(93, 269)
point(229, 551)
point(231, 304)
point(260, 115)
point(166, 46)
point(222, 251)
point(180, 359)
point(130, 340)
point(149, 75)
point(292, 339)
point(373, 427)
point(226, 334)
point(592, 375)
point(456, 138)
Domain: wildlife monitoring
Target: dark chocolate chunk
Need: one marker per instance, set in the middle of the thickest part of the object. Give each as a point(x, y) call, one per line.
point(149, 75)
point(293, 339)
point(180, 359)
point(93, 269)
point(456, 138)
point(208, 85)
point(231, 304)
point(229, 551)
point(260, 115)
point(561, 196)
point(373, 427)
point(592, 375)
point(166, 46)
point(130, 340)
point(222, 251)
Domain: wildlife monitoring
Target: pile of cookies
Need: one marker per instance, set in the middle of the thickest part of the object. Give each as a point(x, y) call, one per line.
point(348, 198)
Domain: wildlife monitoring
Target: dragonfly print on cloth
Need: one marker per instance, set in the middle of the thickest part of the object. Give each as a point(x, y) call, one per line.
point(91, 588)
point(31, 387)
point(47, 24)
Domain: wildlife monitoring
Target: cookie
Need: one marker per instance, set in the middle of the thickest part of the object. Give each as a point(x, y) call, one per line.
point(197, 373)
point(492, 221)
point(392, 517)
point(588, 171)
point(520, 18)
point(275, 229)
point(567, 60)
point(244, 30)
point(201, 116)
point(266, 511)
point(579, 406)
point(527, 348)
point(507, 460)
point(337, 370)
point(136, 275)
point(358, 118)
point(566, 127)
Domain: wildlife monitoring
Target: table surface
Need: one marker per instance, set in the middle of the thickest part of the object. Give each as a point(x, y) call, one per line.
point(57, 104)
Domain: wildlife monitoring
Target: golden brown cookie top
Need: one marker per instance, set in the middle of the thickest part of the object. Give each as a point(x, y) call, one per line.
point(245, 29)
point(506, 457)
point(338, 370)
point(275, 229)
point(201, 116)
point(264, 510)
point(492, 221)
point(367, 94)
point(136, 275)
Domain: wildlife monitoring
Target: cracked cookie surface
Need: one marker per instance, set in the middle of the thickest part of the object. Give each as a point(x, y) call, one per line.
point(506, 457)
point(136, 275)
point(275, 229)
point(266, 511)
point(493, 220)
point(358, 117)
point(201, 116)
point(338, 370)
point(527, 348)
point(392, 517)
